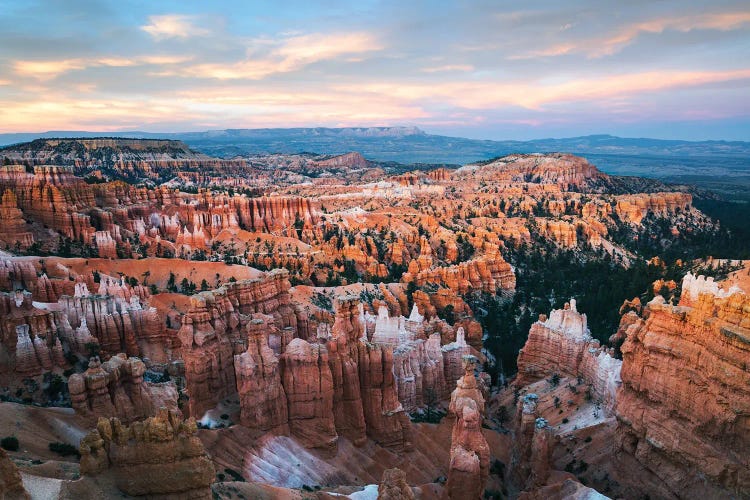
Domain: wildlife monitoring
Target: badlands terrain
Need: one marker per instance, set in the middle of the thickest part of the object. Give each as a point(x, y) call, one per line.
point(177, 325)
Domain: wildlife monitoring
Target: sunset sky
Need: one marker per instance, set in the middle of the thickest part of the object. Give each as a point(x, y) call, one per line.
point(492, 69)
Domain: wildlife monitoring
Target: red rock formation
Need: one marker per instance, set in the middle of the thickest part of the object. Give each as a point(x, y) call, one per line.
point(348, 161)
point(52, 195)
point(12, 226)
point(28, 336)
point(387, 422)
point(343, 359)
point(262, 398)
point(393, 486)
point(419, 373)
point(633, 208)
point(308, 384)
point(212, 328)
point(490, 274)
point(207, 352)
point(564, 170)
point(563, 345)
point(683, 409)
point(116, 388)
point(470, 453)
point(17, 274)
point(11, 485)
point(532, 447)
point(160, 457)
point(118, 325)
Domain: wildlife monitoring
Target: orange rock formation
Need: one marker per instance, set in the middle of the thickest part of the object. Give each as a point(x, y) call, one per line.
point(684, 404)
point(160, 457)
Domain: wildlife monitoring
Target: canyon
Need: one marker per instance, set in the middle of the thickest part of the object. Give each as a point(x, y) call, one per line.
point(318, 325)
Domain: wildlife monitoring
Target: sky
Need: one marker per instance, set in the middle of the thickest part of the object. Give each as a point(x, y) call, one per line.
point(478, 69)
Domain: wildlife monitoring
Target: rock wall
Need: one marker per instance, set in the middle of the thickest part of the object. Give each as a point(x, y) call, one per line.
point(160, 457)
point(13, 231)
point(684, 406)
point(343, 359)
point(533, 442)
point(489, 274)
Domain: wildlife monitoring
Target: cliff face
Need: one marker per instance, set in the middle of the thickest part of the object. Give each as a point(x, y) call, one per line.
point(633, 208)
point(13, 231)
point(532, 447)
point(563, 345)
point(28, 337)
point(160, 457)
point(52, 196)
point(684, 407)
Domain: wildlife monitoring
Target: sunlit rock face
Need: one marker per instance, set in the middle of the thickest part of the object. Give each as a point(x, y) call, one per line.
point(684, 407)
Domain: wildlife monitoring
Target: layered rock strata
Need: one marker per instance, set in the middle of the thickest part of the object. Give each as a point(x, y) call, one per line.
point(308, 384)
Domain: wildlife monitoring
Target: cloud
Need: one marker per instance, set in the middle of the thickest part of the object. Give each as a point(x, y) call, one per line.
point(172, 26)
point(270, 56)
point(534, 95)
point(48, 70)
point(597, 47)
point(449, 68)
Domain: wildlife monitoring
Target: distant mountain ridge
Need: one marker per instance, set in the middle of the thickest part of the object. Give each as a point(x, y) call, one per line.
point(404, 144)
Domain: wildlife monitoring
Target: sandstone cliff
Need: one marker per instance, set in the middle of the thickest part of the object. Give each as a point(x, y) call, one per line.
point(684, 407)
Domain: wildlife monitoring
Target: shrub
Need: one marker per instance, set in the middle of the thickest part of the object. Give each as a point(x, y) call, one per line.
point(64, 449)
point(236, 476)
point(9, 443)
point(565, 420)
